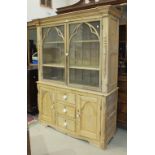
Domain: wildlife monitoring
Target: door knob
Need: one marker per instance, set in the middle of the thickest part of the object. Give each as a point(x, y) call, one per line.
point(65, 124)
point(67, 54)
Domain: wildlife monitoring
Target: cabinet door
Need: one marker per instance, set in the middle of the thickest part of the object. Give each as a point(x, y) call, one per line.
point(46, 106)
point(53, 53)
point(88, 117)
point(84, 54)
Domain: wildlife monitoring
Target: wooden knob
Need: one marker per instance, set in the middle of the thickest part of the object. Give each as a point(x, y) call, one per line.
point(77, 115)
point(64, 110)
point(65, 97)
point(66, 54)
point(65, 124)
point(52, 106)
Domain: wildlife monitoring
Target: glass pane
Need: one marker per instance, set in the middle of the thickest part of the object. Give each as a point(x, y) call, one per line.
point(85, 31)
point(84, 53)
point(53, 73)
point(84, 77)
point(53, 45)
point(51, 34)
point(32, 46)
point(53, 53)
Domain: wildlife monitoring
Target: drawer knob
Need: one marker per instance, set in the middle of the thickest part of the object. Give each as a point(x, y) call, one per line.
point(65, 97)
point(52, 106)
point(78, 115)
point(64, 110)
point(65, 124)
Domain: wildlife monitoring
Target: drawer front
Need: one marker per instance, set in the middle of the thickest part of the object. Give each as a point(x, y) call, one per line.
point(65, 110)
point(65, 97)
point(65, 123)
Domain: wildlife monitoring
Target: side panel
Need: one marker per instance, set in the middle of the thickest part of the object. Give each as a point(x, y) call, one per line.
point(110, 53)
point(111, 115)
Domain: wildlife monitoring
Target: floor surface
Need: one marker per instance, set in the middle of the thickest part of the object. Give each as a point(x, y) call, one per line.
point(47, 141)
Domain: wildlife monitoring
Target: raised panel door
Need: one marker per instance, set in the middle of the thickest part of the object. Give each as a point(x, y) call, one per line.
point(88, 117)
point(46, 105)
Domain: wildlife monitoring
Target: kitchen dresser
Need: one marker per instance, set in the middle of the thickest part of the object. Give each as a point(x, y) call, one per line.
point(78, 69)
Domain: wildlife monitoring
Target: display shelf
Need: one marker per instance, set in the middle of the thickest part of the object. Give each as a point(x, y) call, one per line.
point(84, 68)
point(53, 73)
point(54, 65)
point(84, 77)
point(54, 42)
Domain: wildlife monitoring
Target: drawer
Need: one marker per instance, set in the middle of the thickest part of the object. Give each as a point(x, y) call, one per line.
point(65, 110)
point(65, 97)
point(65, 123)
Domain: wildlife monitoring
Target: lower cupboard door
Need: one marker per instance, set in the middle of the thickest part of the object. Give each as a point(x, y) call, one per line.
point(46, 105)
point(88, 117)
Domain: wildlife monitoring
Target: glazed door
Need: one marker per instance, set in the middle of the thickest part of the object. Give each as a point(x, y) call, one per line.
point(53, 53)
point(84, 54)
point(88, 117)
point(46, 105)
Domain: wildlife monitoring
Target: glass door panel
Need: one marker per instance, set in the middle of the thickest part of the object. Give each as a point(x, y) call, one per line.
point(84, 53)
point(84, 77)
point(53, 53)
point(53, 73)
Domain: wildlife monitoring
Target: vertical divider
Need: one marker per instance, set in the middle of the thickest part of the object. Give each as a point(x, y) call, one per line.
point(101, 54)
point(66, 53)
point(39, 46)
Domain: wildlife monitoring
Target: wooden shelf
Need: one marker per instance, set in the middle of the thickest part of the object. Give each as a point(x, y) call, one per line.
point(85, 68)
point(54, 42)
point(54, 65)
point(86, 41)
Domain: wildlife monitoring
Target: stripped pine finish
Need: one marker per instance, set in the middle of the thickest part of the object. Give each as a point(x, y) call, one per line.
point(78, 61)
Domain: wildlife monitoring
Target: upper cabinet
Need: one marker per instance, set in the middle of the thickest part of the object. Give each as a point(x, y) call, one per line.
point(74, 57)
point(80, 49)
